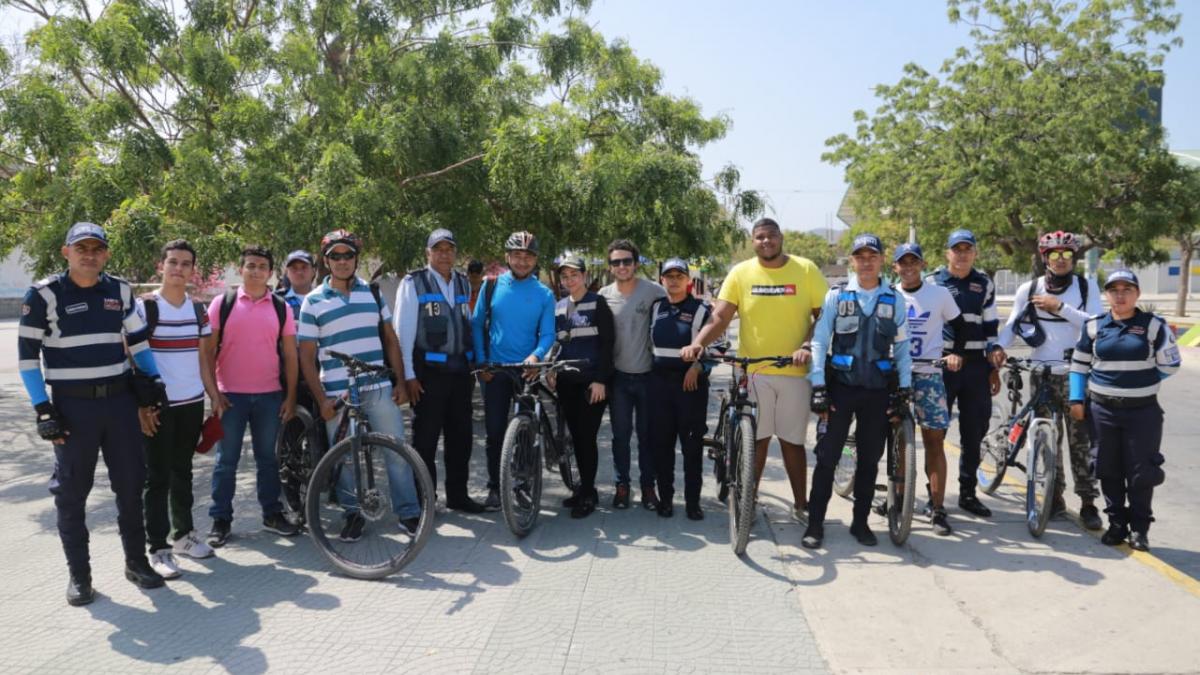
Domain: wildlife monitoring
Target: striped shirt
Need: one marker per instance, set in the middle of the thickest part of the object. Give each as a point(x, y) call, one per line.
point(1125, 359)
point(176, 346)
point(346, 324)
point(79, 334)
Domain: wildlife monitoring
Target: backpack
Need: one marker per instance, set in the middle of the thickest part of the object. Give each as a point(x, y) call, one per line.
point(381, 328)
point(281, 311)
point(1028, 326)
point(489, 290)
point(150, 303)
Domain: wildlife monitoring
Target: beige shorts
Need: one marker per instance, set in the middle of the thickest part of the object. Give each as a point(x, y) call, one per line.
point(783, 402)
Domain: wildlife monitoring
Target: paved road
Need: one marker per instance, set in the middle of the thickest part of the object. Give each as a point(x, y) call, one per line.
point(619, 592)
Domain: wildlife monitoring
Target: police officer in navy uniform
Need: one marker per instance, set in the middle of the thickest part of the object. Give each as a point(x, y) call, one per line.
point(678, 390)
point(860, 344)
point(1116, 368)
point(972, 386)
point(77, 324)
point(433, 322)
point(584, 329)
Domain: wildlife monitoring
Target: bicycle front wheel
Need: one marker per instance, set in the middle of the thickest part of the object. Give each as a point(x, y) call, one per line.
point(902, 479)
point(296, 453)
point(993, 452)
point(743, 486)
point(360, 532)
point(1039, 479)
point(843, 473)
point(568, 467)
point(520, 476)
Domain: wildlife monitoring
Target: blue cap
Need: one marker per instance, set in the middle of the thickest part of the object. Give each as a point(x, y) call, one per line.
point(81, 231)
point(1121, 275)
point(674, 264)
point(438, 236)
point(960, 237)
point(907, 249)
point(866, 241)
point(299, 254)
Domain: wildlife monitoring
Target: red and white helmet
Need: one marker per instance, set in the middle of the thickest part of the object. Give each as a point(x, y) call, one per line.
point(1056, 240)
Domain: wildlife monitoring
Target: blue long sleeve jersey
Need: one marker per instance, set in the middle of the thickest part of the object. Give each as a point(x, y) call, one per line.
point(823, 332)
point(1125, 359)
point(522, 321)
point(80, 333)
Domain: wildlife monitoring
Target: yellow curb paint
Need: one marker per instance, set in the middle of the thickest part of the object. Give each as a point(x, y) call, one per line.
point(1173, 574)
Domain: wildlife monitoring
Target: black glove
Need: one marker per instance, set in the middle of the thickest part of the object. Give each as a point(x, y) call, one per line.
point(150, 391)
point(820, 400)
point(898, 400)
point(50, 425)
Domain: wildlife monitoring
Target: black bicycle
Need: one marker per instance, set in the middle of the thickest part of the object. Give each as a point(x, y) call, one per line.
point(373, 477)
point(1010, 432)
point(536, 431)
point(298, 448)
point(732, 448)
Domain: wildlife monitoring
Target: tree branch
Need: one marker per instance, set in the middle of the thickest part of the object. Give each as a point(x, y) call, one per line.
point(444, 170)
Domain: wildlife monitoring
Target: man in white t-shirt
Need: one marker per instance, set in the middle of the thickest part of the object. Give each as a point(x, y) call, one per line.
point(1048, 314)
point(930, 307)
point(178, 325)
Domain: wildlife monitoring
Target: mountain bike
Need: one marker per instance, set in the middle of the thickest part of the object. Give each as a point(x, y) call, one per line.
point(537, 432)
point(298, 447)
point(365, 475)
point(732, 449)
point(1011, 432)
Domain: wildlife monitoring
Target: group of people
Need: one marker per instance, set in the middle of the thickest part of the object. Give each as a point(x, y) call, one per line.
point(128, 376)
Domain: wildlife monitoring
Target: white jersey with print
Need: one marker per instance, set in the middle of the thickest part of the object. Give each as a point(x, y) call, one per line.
point(929, 308)
point(176, 347)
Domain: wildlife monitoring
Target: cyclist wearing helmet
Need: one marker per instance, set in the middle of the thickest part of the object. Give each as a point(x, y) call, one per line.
point(1048, 314)
point(513, 321)
point(584, 329)
point(343, 314)
point(433, 321)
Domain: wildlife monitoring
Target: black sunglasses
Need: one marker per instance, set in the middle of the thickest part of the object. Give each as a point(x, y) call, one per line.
point(620, 262)
point(348, 255)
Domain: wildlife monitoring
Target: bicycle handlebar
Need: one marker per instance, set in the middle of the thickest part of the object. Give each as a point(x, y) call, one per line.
point(743, 361)
point(357, 365)
point(555, 366)
point(1031, 364)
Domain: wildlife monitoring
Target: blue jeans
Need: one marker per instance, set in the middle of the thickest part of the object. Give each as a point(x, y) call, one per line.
point(261, 412)
point(385, 418)
point(631, 396)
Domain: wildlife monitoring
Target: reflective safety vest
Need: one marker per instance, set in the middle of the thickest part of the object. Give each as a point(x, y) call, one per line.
point(1125, 358)
point(673, 327)
point(443, 332)
point(576, 331)
point(861, 353)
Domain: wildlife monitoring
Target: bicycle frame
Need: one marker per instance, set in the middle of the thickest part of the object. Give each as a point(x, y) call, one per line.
point(1023, 422)
point(527, 400)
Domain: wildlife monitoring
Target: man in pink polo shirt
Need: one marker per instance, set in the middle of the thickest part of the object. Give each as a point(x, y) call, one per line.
point(258, 333)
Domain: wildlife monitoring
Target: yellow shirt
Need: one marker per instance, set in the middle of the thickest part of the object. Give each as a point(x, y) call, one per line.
point(774, 307)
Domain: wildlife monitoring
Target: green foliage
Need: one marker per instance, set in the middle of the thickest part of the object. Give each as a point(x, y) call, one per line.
point(1036, 126)
point(804, 244)
point(238, 121)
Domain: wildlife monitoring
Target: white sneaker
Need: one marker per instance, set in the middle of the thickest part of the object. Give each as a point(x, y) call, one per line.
point(800, 515)
point(192, 546)
point(163, 562)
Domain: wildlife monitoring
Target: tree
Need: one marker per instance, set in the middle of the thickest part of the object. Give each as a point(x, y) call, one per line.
point(1184, 192)
point(1039, 125)
point(238, 121)
point(804, 244)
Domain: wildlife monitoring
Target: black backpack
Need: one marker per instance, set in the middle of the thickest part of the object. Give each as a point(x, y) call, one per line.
point(381, 328)
point(281, 311)
point(150, 304)
point(489, 290)
point(1028, 326)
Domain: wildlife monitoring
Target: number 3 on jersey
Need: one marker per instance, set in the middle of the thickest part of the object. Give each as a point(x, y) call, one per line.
point(916, 343)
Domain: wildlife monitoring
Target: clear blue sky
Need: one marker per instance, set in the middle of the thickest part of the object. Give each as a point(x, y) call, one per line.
point(791, 73)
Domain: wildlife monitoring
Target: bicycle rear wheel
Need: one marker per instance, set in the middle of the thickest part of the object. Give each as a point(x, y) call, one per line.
point(520, 476)
point(843, 473)
point(296, 453)
point(568, 468)
point(390, 476)
point(902, 480)
point(743, 487)
point(1039, 479)
point(993, 452)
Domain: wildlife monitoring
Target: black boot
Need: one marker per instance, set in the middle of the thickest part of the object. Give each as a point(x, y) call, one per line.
point(138, 571)
point(1116, 534)
point(79, 590)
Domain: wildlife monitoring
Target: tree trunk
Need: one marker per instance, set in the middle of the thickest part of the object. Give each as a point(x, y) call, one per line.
point(1185, 276)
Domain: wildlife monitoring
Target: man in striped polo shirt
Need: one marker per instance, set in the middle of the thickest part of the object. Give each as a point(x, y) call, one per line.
point(342, 314)
point(178, 324)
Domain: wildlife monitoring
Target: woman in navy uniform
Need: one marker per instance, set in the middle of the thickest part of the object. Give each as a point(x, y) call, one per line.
point(1117, 365)
point(679, 390)
point(584, 329)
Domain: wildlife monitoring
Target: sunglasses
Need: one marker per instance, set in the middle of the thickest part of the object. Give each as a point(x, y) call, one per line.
point(341, 256)
point(620, 262)
point(1060, 255)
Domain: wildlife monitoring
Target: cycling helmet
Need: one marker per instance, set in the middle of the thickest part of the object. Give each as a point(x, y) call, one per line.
point(1055, 240)
point(571, 260)
point(340, 237)
point(521, 241)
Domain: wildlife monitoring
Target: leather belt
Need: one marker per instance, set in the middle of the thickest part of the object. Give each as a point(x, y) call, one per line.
point(92, 391)
point(1123, 401)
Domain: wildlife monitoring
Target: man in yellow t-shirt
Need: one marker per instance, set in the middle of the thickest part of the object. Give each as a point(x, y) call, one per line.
point(778, 297)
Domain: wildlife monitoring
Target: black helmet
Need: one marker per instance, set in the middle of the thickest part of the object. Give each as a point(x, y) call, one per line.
point(521, 241)
point(340, 237)
point(568, 259)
